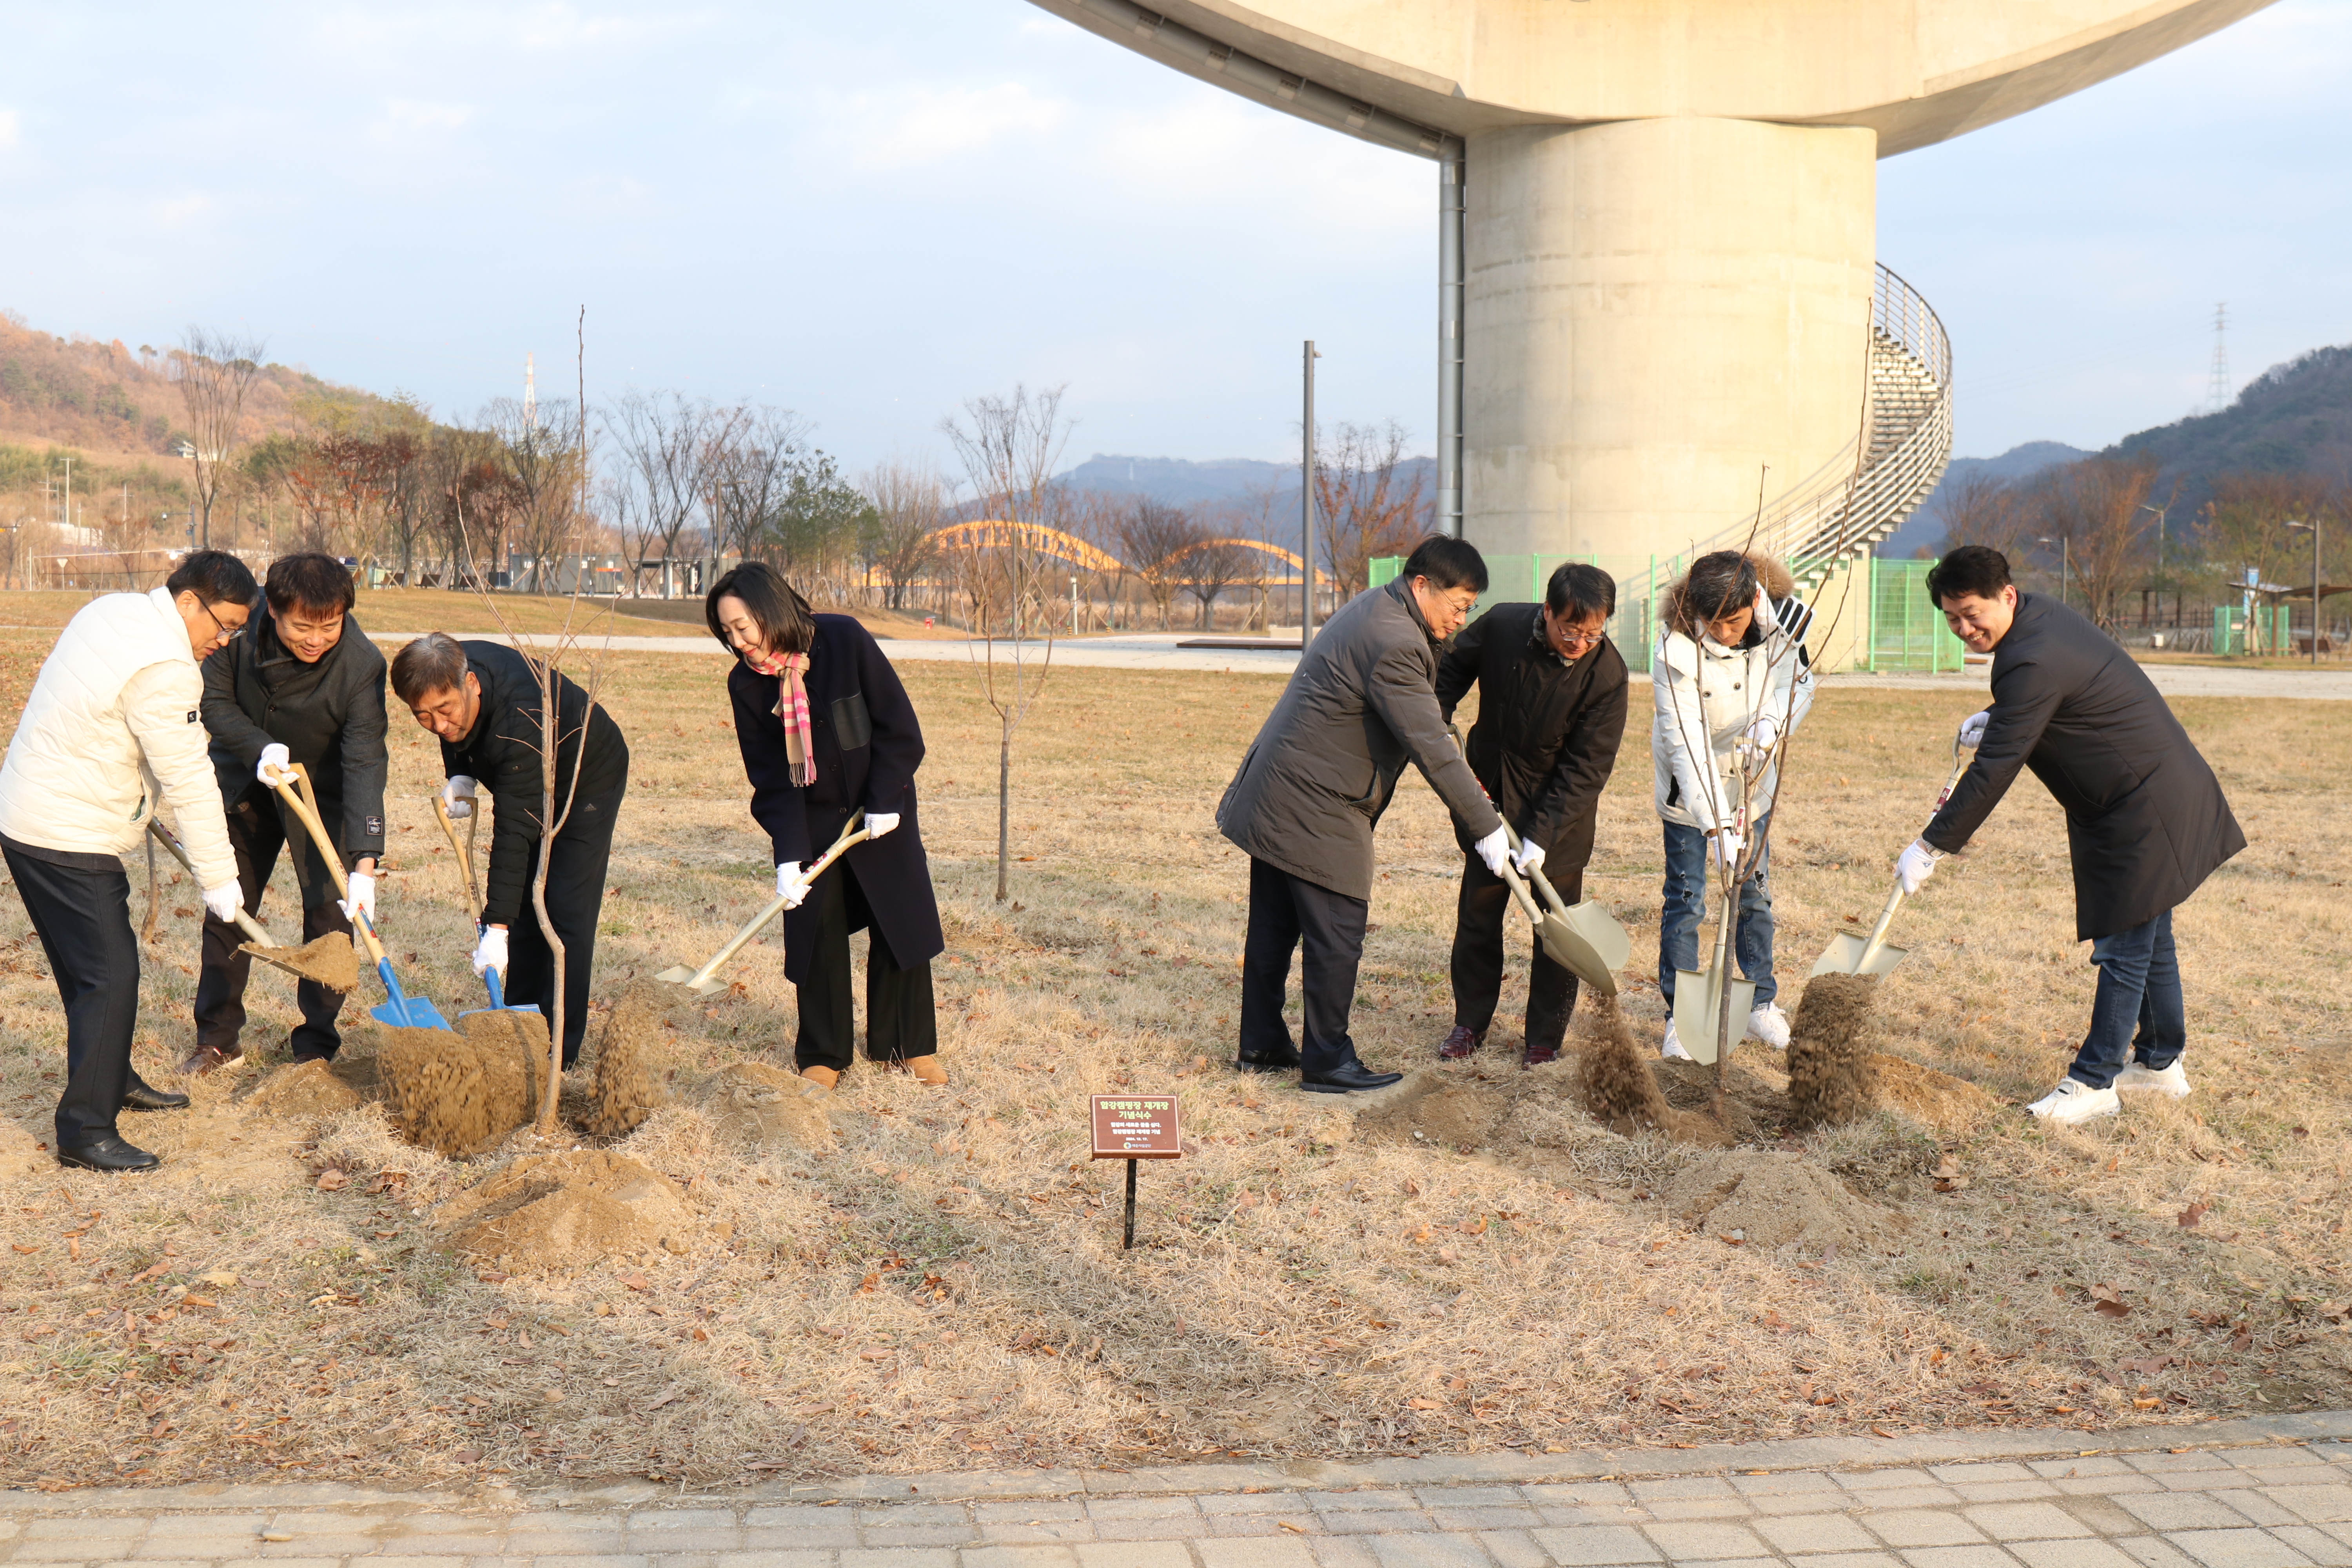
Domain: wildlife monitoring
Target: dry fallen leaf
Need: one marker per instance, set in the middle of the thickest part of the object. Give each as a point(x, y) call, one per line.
point(1419, 1404)
point(2192, 1213)
point(333, 1181)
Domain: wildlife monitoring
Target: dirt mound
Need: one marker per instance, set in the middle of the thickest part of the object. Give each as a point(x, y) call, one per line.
point(1830, 1076)
point(1760, 1199)
point(626, 1093)
point(22, 1154)
point(304, 1089)
point(1428, 1107)
point(753, 1103)
point(560, 1211)
point(329, 960)
point(1621, 1084)
point(458, 1093)
point(1944, 1102)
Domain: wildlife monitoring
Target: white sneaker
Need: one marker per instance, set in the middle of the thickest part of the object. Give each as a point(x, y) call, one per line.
point(2173, 1082)
point(2074, 1101)
point(1770, 1025)
point(1672, 1049)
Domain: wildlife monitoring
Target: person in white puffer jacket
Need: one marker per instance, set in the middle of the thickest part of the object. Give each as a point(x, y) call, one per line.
point(112, 730)
point(1730, 679)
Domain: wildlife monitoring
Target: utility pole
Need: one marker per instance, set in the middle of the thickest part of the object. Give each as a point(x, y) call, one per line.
point(2159, 512)
point(2217, 383)
point(2312, 527)
point(2065, 560)
point(1306, 507)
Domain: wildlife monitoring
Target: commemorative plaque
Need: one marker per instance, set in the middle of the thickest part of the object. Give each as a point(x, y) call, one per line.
point(1133, 1127)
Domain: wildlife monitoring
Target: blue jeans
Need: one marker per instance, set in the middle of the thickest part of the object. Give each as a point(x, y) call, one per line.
point(1687, 901)
point(2137, 1014)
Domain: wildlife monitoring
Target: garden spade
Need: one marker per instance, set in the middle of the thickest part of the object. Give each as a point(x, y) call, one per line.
point(464, 847)
point(258, 942)
point(402, 1011)
point(699, 980)
point(1851, 952)
point(1583, 938)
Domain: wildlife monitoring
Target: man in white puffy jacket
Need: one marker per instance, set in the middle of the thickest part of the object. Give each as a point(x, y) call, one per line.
point(112, 729)
point(1730, 679)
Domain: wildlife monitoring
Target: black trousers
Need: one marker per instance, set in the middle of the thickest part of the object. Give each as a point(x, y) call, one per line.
point(901, 1020)
point(83, 916)
point(1287, 913)
point(1480, 916)
point(575, 899)
point(257, 832)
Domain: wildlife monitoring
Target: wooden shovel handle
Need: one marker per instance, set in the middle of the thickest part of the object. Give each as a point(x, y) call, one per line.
point(304, 806)
point(463, 849)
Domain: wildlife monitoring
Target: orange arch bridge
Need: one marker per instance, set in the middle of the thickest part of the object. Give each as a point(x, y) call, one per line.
point(996, 533)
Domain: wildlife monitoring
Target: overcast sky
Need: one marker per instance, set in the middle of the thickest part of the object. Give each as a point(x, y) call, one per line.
point(867, 214)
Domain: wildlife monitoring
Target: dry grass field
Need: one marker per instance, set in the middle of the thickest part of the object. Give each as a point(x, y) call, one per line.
point(1470, 1264)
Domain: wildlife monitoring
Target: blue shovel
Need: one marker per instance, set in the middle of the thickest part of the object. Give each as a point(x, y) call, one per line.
point(498, 999)
point(404, 1011)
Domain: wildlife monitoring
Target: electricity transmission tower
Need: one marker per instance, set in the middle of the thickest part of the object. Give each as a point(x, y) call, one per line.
point(2217, 383)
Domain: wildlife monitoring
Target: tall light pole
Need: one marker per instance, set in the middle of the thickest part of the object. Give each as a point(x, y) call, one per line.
point(2066, 563)
point(1306, 507)
point(2312, 527)
point(2159, 557)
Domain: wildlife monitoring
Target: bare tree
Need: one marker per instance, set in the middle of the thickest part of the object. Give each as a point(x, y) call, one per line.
point(1978, 508)
point(910, 500)
point(1369, 509)
point(1215, 565)
point(215, 371)
point(2093, 508)
point(1156, 540)
point(748, 461)
point(1009, 446)
point(662, 440)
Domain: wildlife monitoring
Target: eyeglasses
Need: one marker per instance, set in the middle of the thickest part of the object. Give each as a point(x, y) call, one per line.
point(1582, 639)
point(228, 634)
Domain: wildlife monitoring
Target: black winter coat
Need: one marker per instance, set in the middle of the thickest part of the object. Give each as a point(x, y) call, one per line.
point(2145, 821)
point(867, 746)
point(1546, 736)
point(501, 754)
point(329, 716)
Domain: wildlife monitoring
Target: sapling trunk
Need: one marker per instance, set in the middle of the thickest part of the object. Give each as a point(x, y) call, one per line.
point(1003, 806)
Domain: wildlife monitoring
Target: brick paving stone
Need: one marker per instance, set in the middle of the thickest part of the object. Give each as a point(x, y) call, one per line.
point(106, 1527)
point(2088, 1465)
point(1178, 1529)
point(1955, 1475)
point(1907, 1496)
point(798, 1557)
point(1469, 1497)
point(1256, 1553)
point(2108, 1485)
point(2237, 1548)
point(1921, 1527)
point(1100, 1509)
point(1846, 1560)
point(2002, 1491)
point(1253, 1502)
point(1700, 1508)
point(1029, 1557)
point(1037, 1531)
point(2155, 1551)
point(2259, 1459)
point(2254, 1505)
point(1815, 1532)
point(1345, 1552)
point(1880, 1480)
point(1808, 1502)
point(1292, 1525)
point(1694, 1540)
point(1600, 1493)
point(1517, 1517)
point(1784, 1481)
point(165, 1525)
point(2179, 1511)
point(558, 1542)
point(774, 1515)
point(642, 1538)
point(2315, 1543)
point(1361, 1501)
point(1370, 1521)
point(2008, 1521)
point(1594, 1545)
point(237, 1543)
point(1680, 1486)
point(1126, 1555)
point(1555, 1513)
point(790, 1538)
point(1514, 1549)
point(2318, 1505)
point(2206, 1480)
point(418, 1560)
point(600, 1559)
point(1986, 1556)
point(1435, 1550)
point(2074, 1553)
point(895, 1557)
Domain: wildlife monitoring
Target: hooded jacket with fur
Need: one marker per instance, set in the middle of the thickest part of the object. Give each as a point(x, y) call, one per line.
point(1707, 697)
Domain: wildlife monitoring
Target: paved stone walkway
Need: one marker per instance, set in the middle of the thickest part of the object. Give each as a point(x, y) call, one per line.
point(2273, 1493)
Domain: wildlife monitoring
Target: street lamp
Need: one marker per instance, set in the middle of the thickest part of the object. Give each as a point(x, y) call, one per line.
point(2160, 555)
point(2065, 562)
point(2312, 530)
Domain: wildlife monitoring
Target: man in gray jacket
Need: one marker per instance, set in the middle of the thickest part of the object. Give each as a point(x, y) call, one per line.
point(1361, 704)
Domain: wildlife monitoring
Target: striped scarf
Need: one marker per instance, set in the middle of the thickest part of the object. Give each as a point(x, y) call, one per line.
point(792, 708)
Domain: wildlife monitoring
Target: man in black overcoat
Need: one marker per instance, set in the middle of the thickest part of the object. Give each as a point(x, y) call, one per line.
point(867, 744)
point(1551, 711)
point(302, 684)
point(2145, 821)
point(482, 699)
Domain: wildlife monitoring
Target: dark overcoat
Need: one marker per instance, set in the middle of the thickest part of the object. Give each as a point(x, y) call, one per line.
point(330, 716)
point(2145, 821)
point(1548, 731)
point(868, 747)
point(1359, 706)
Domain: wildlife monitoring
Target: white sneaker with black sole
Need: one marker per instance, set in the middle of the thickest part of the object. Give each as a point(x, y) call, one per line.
point(2172, 1082)
point(1770, 1025)
point(1673, 1047)
point(2074, 1101)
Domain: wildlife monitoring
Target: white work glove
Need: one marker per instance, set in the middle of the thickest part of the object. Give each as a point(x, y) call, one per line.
point(1725, 846)
point(878, 823)
point(458, 794)
point(223, 902)
point(362, 898)
point(276, 760)
point(1764, 733)
point(1972, 729)
point(1915, 864)
point(1495, 850)
point(490, 950)
point(1529, 858)
point(792, 885)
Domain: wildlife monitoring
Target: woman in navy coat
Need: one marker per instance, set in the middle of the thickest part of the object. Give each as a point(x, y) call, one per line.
point(827, 731)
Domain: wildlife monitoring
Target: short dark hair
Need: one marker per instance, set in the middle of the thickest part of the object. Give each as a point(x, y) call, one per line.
point(213, 576)
point(434, 662)
point(1448, 563)
point(309, 580)
point(787, 624)
point(1577, 591)
point(1717, 584)
point(1977, 569)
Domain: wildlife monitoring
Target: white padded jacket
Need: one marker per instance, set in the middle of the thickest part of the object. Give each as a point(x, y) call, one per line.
point(112, 726)
point(1707, 696)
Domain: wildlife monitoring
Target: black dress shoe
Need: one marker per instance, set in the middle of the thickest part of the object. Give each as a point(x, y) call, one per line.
point(107, 1154)
point(1246, 1062)
point(1348, 1077)
point(144, 1095)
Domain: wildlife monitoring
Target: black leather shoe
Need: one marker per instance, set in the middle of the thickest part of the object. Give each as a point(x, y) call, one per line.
point(144, 1095)
point(108, 1154)
point(205, 1060)
point(1348, 1077)
point(1286, 1062)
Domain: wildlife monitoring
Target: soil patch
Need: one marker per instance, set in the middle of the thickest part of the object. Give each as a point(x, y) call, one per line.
point(302, 1090)
point(561, 1211)
point(624, 1092)
point(1756, 1198)
point(329, 960)
point(458, 1093)
point(1429, 1107)
point(1628, 1092)
point(754, 1102)
point(1944, 1102)
point(1831, 1080)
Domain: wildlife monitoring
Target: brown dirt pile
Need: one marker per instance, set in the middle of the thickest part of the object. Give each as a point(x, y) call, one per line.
point(1616, 1079)
point(561, 1211)
point(1831, 1080)
point(1427, 1107)
point(1946, 1103)
point(1760, 1199)
point(755, 1103)
point(625, 1092)
point(460, 1092)
point(301, 1091)
point(329, 960)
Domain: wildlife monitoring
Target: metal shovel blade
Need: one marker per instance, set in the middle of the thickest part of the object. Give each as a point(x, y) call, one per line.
point(409, 1013)
point(1699, 1011)
point(682, 975)
point(1586, 941)
point(1843, 956)
point(499, 1002)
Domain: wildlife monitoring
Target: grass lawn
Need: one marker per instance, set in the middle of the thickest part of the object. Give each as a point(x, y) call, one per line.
point(945, 1287)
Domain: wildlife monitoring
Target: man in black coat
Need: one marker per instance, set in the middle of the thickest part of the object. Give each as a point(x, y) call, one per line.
point(2145, 821)
point(1551, 711)
point(482, 699)
point(302, 684)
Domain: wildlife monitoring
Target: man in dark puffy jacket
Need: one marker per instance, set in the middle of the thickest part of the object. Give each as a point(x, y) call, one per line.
point(2145, 819)
point(1551, 711)
point(302, 684)
point(1359, 706)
